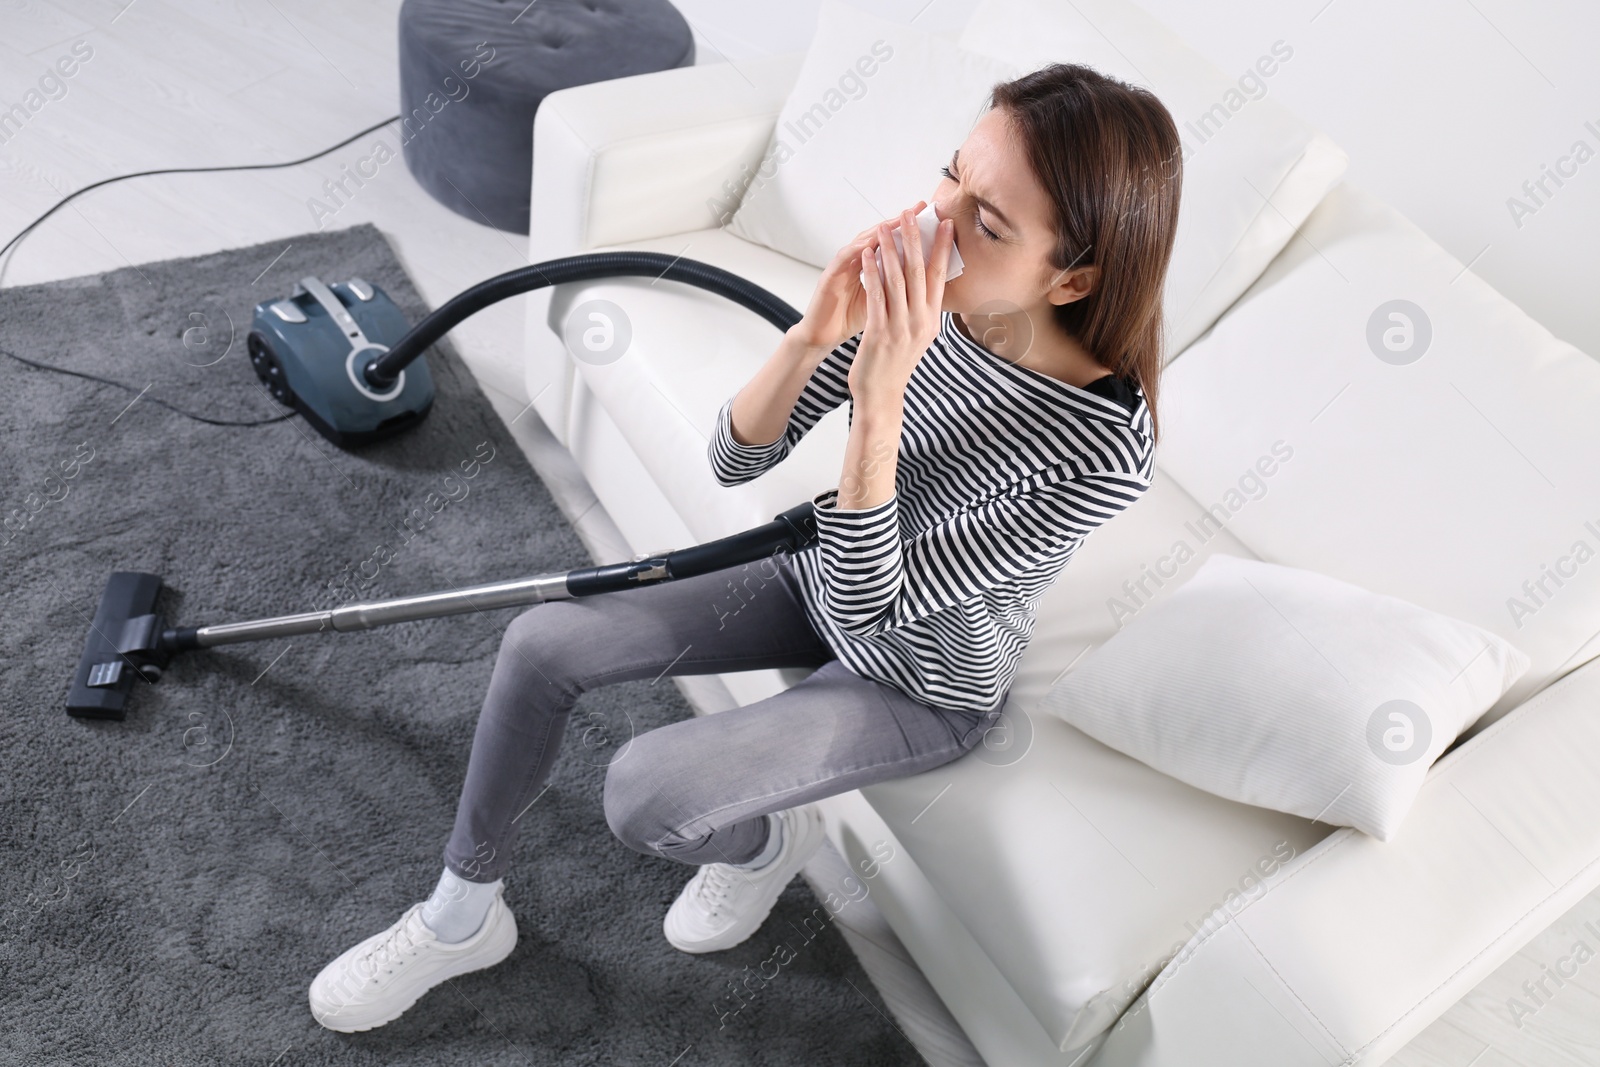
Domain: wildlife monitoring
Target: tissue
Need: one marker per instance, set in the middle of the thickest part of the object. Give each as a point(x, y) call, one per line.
point(927, 222)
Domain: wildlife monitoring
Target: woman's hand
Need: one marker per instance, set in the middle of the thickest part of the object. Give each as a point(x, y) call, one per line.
point(838, 309)
point(904, 307)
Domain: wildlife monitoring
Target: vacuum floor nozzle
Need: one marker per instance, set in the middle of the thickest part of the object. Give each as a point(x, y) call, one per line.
point(124, 646)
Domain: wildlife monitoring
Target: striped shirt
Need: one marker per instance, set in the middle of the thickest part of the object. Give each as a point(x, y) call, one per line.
point(1002, 472)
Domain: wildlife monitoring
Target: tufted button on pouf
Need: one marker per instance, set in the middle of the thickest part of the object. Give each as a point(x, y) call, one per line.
point(473, 73)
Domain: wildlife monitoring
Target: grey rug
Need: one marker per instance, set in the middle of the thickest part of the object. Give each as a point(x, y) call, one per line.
point(170, 884)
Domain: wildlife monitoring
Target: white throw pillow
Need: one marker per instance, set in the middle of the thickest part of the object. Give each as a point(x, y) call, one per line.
point(877, 109)
point(1289, 690)
point(1240, 147)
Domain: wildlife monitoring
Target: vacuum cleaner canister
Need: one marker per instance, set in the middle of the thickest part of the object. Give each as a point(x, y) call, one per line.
point(310, 350)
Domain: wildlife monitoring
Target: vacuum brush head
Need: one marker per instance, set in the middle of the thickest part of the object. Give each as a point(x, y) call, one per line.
point(124, 646)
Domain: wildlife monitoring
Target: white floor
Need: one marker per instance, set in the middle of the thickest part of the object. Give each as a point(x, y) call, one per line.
point(210, 82)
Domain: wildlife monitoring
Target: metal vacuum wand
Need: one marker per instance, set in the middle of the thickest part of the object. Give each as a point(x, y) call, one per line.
point(373, 613)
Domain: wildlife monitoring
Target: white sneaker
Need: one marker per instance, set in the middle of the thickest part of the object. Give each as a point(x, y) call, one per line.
point(375, 981)
point(722, 905)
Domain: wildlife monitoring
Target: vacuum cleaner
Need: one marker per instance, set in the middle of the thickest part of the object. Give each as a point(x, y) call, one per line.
point(341, 354)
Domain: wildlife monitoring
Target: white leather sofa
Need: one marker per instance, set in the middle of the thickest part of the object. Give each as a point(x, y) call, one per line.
point(1069, 904)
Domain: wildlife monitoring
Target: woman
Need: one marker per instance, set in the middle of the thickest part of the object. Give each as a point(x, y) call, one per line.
point(994, 422)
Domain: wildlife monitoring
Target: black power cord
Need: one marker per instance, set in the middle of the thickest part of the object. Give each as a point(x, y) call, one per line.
point(153, 400)
point(171, 170)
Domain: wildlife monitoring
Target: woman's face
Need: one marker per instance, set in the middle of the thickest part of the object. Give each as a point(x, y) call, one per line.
point(1004, 228)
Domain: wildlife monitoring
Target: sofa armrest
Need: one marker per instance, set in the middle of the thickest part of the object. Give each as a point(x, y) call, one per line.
point(649, 155)
point(1357, 946)
point(629, 159)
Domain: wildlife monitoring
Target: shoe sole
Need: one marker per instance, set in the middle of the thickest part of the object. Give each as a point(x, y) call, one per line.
point(506, 934)
point(808, 840)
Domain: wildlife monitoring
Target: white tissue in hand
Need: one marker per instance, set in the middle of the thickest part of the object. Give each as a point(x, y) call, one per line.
point(927, 223)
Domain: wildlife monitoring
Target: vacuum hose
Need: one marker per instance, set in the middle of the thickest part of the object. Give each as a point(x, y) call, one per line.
point(382, 371)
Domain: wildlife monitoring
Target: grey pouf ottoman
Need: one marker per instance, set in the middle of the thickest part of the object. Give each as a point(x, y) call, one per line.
point(473, 73)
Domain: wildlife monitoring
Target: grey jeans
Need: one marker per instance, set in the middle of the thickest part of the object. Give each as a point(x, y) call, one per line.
point(695, 790)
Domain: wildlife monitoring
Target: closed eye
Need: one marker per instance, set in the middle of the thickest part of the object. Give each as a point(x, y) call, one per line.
point(990, 234)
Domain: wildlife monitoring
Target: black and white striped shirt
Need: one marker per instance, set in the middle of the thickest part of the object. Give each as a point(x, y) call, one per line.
point(1002, 472)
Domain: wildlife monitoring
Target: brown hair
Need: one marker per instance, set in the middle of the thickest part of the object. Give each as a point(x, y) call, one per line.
point(1107, 154)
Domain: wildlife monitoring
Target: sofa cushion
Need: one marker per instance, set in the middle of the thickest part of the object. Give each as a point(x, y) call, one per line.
point(1252, 170)
point(1444, 444)
point(877, 108)
point(1285, 688)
